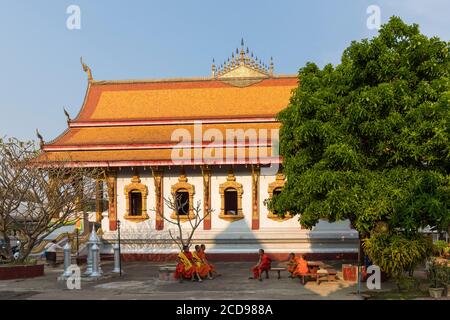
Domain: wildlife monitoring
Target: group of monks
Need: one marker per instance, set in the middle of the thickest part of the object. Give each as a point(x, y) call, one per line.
point(194, 265)
point(297, 265)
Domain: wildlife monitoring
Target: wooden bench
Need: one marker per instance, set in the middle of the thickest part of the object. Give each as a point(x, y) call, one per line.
point(303, 276)
point(278, 270)
point(326, 274)
point(166, 272)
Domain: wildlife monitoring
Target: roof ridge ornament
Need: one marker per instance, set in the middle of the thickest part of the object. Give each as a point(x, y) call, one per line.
point(41, 139)
point(87, 70)
point(243, 64)
point(67, 116)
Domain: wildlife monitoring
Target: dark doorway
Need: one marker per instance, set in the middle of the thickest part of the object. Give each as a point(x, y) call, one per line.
point(231, 203)
point(183, 203)
point(276, 193)
point(135, 203)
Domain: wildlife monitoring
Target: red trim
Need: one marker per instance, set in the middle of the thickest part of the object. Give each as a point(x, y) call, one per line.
point(119, 123)
point(143, 163)
point(255, 224)
point(150, 146)
point(20, 272)
point(207, 224)
point(112, 225)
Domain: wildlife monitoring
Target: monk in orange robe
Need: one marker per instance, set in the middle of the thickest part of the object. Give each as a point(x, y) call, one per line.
point(202, 255)
point(263, 265)
point(203, 269)
point(186, 268)
point(297, 266)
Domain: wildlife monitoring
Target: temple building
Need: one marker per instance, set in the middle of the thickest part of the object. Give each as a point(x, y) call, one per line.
point(211, 141)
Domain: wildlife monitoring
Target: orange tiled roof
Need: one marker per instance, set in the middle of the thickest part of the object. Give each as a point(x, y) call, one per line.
point(134, 120)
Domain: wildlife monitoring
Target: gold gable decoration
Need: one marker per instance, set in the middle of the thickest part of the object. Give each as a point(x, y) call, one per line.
point(242, 69)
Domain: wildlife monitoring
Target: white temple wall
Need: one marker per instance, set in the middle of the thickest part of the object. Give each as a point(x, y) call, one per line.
point(226, 236)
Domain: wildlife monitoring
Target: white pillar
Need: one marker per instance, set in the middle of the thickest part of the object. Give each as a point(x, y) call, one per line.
point(116, 258)
point(67, 260)
point(95, 272)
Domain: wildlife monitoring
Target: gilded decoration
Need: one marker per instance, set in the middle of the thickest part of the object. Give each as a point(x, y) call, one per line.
point(231, 184)
point(183, 186)
point(275, 186)
point(206, 174)
point(138, 187)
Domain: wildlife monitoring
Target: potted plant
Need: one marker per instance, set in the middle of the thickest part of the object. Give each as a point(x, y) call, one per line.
point(438, 277)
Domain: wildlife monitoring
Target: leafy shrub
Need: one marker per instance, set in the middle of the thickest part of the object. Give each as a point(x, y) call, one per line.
point(397, 253)
point(407, 284)
point(441, 248)
point(438, 274)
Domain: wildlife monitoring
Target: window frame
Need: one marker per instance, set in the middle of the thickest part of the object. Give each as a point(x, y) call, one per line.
point(183, 184)
point(278, 184)
point(136, 186)
point(231, 184)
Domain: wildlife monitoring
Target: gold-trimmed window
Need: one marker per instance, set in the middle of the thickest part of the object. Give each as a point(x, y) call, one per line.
point(231, 199)
point(136, 200)
point(275, 189)
point(183, 195)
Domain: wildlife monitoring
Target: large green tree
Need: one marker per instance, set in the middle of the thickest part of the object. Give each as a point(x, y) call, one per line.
point(368, 139)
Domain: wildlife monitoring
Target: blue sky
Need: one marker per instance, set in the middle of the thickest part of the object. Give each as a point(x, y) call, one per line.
point(40, 70)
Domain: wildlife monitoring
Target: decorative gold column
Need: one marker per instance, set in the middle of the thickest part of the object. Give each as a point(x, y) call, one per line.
point(98, 200)
point(53, 185)
point(78, 186)
point(111, 181)
point(255, 197)
point(206, 173)
point(158, 175)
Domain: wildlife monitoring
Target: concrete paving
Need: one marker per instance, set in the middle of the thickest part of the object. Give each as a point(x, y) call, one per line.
point(140, 281)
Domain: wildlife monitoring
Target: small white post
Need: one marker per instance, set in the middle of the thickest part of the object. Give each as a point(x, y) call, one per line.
point(95, 272)
point(67, 260)
point(116, 258)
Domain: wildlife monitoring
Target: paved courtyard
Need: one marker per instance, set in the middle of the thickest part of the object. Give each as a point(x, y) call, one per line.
point(140, 281)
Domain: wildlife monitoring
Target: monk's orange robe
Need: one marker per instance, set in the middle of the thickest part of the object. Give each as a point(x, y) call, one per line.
point(185, 267)
point(292, 265)
point(201, 267)
point(300, 268)
point(264, 265)
point(202, 256)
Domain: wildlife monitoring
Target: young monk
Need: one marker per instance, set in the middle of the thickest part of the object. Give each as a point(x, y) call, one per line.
point(186, 268)
point(203, 269)
point(202, 255)
point(297, 265)
point(264, 264)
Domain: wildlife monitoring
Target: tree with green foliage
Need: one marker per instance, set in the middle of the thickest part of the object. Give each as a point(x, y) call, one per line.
point(368, 139)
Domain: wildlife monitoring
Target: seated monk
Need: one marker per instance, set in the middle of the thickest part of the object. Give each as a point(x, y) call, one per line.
point(292, 263)
point(186, 268)
point(264, 264)
point(203, 269)
point(202, 256)
point(301, 265)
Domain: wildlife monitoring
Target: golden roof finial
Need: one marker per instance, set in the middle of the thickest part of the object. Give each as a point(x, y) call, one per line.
point(86, 69)
point(244, 57)
point(271, 67)
point(67, 115)
point(213, 69)
point(41, 139)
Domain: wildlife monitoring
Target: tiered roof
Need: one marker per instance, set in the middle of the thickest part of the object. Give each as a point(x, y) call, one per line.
point(130, 123)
